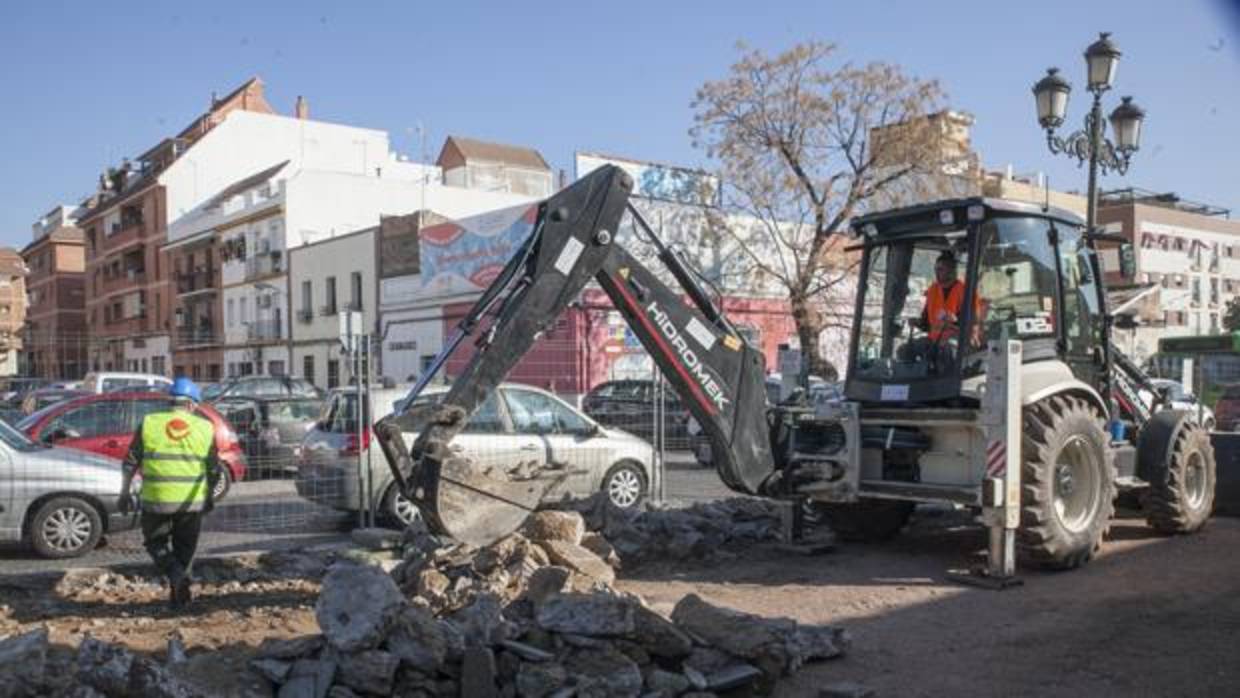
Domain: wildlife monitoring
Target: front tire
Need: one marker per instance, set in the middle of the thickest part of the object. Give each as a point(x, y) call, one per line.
point(1180, 497)
point(625, 485)
point(222, 485)
point(1067, 483)
point(65, 527)
point(868, 520)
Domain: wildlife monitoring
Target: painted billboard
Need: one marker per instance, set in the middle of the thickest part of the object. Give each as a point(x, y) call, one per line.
point(655, 181)
point(465, 256)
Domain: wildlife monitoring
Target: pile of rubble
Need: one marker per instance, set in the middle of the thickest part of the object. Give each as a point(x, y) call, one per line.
point(702, 531)
point(99, 669)
point(533, 614)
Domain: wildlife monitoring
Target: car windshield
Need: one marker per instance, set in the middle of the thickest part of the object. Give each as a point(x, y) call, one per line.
point(294, 411)
point(15, 439)
point(32, 419)
point(912, 308)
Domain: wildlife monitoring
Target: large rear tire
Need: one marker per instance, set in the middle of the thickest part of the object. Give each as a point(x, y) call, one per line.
point(1067, 483)
point(868, 520)
point(1180, 497)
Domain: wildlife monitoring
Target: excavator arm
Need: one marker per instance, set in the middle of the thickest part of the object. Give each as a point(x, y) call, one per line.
point(717, 375)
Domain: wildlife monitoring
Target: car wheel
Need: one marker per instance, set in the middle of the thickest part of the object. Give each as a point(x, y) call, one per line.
point(65, 527)
point(397, 509)
point(625, 485)
point(222, 485)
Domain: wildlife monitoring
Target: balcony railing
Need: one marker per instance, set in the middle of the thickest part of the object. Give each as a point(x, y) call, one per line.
point(264, 265)
point(265, 331)
point(305, 316)
point(201, 280)
point(196, 336)
point(327, 310)
point(126, 278)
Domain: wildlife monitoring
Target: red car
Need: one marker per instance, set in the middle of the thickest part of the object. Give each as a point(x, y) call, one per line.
point(105, 424)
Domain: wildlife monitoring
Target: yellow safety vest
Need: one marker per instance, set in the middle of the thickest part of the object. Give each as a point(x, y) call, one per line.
point(175, 447)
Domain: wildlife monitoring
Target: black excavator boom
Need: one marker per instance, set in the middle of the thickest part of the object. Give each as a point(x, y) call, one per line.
point(717, 375)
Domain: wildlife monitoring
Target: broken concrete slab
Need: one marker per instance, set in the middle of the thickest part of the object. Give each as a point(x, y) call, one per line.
point(596, 614)
point(579, 560)
point(417, 639)
point(274, 670)
point(23, 663)
point(377, 538)
point(368, 671)
point(357, 604)
point(566, 526)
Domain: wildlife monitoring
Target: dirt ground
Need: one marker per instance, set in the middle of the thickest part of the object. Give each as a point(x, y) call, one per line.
point(1152, 616)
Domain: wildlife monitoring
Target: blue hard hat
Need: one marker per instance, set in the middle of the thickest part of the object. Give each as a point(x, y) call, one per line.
point(184, 387)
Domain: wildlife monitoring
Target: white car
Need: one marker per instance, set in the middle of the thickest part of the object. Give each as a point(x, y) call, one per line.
point(111, 381)
point(1182, 399)
point(517, 424)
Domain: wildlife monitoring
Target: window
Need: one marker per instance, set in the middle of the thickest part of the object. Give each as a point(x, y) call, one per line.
point(232, 315)
point(1017, 282)
point(141, 408)
point(330, 307)
point(307, 367)
point(333, 373)
point(355, 286)
point(245, 309)
point(275, 368)
point(486, 420)
point(307, 298)
point(158, 366)
point(538, 413)
point(1080, 293)
point(266, 387)
point(91, 420)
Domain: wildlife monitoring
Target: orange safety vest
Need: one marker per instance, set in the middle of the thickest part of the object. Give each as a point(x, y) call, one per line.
point(943, 311)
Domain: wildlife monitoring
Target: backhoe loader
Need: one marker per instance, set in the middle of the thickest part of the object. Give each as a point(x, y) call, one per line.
point(1019, 406)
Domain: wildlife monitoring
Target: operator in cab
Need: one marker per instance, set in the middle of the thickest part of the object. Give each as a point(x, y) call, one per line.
point(940, 316)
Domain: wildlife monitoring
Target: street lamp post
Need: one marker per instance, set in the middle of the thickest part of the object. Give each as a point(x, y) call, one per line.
point(1090, 143)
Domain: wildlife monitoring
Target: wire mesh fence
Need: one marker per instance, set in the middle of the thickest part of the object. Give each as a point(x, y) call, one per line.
point(297, 471)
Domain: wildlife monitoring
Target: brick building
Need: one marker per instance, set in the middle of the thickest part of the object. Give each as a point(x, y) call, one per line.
point(54, 340)
point(129, 295)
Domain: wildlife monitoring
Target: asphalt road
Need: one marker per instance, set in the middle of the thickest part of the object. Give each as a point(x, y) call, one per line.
point(269, 515)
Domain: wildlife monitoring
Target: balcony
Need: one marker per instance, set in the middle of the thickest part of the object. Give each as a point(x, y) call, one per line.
point(305, 316)
point(133, 276)
point(195, 281)
point(265, 331)
point(201, 335)
point(266, 264)
point(328, 310)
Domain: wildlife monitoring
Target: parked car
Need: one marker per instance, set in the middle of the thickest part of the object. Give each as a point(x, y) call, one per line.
point(13, 390)
point(60, 500)
point(44, 397)
point(629, 405)
point(1227, 409)
point(517, 423)
point(11, 415)
point(105, 424)
point(264, 386)
point(1181, 399)
point(820, 391)
point(111, 381)
point(271, 429)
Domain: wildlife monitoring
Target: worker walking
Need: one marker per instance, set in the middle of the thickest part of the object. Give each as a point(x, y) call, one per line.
point(175, 452)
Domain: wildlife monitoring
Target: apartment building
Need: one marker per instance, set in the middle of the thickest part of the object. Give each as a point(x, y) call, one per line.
point(1189, 251)
point(327, 278)
point(129, 297)
point(12, 310)
point(54, 337)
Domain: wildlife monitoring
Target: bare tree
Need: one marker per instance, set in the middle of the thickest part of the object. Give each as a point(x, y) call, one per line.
point(803, 144)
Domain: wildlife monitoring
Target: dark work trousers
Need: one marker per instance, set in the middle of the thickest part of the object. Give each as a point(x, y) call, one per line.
point(172, 540)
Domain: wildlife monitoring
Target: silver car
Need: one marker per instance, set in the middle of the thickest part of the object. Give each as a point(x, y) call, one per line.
point(60, 500)
point(517, 424)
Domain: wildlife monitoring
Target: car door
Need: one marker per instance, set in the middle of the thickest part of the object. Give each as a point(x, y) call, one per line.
point(562, 435)
point(97, 427)
point(10, 518)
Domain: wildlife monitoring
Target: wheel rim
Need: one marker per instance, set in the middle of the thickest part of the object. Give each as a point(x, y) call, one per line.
point(67, 529)
point(404, 510)
point(1195, 480)
point(1076, 485)
point(624, 488)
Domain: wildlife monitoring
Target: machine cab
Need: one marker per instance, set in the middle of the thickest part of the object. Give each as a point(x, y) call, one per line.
point(940, 281)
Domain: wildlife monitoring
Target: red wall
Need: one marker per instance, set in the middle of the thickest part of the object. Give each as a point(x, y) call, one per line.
point(573, 357)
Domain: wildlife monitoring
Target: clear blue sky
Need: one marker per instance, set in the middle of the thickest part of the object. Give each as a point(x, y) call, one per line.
point(88, 83)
